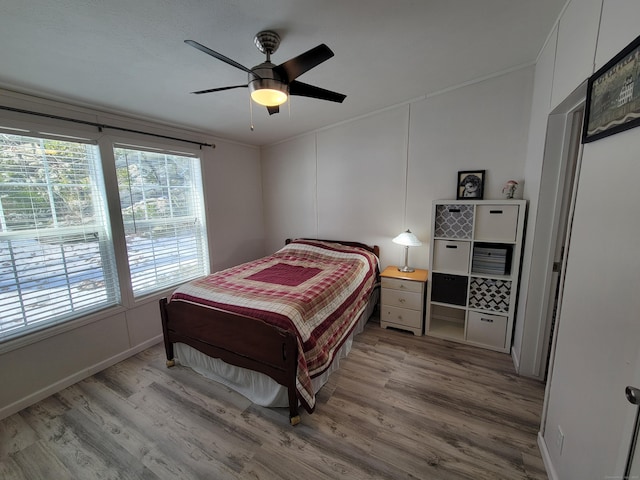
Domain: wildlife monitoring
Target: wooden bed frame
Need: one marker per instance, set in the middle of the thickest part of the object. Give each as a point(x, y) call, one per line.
point(239, 340)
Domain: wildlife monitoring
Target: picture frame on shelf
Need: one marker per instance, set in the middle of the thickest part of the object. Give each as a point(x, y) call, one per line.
point(471, 184)
point(613, 95)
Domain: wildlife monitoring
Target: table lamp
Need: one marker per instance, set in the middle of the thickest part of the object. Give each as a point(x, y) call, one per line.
point(407, 239)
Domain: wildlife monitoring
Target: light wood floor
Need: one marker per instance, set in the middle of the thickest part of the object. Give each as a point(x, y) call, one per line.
point(400, 407)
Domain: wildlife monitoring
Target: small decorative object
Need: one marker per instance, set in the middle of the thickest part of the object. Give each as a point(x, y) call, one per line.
point(471, 184)
point(407, 239)
point(613, 99)
point(509, 189)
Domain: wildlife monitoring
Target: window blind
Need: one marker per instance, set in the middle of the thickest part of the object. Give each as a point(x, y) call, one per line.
point(163, 213)
point(56, 256)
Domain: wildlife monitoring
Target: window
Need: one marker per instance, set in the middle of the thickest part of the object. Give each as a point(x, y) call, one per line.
point(56, 255)
point(163, 214)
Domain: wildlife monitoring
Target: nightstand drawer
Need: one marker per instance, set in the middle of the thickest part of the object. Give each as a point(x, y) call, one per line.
point(402, 285)
point(401, 316)
point(397, 298)
point(486, 329)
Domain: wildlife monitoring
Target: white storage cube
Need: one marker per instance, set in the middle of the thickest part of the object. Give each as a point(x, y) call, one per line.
point(451, 256)
point(487, 329)
point(496, 223)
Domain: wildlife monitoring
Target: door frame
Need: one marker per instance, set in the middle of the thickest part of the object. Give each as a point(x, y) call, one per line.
point(561, 234)
point(566, 142)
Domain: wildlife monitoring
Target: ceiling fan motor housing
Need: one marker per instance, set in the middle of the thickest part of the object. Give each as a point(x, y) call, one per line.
point(267, 77)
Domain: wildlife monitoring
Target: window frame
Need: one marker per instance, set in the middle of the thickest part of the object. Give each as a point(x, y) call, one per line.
point(22, 124)
point(161, 149)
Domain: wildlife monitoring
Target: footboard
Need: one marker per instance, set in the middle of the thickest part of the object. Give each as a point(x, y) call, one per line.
point(236, 339)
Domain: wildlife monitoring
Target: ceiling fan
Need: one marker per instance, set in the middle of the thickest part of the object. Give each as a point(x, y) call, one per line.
point(270, 85)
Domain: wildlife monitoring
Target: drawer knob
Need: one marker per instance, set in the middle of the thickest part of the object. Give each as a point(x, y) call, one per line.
point(399, 317)
point(495, 212)
point(488, 320)
point(401, 300)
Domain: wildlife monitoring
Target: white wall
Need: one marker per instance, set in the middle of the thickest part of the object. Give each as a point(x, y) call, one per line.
point(596, 344)
point(289, 191)
point(233, 190)
point(352, 181)
point(40, 364)
point(523, 352)
point(314, 186)
point(480, 126)
point(563, 65)
point(361, 179)
point(575, 50)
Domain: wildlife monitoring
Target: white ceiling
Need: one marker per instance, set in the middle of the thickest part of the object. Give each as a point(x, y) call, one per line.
point(129, 56)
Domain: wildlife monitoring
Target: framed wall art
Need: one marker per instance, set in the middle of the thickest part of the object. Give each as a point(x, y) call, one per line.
point(613, 95)
point(471, 184)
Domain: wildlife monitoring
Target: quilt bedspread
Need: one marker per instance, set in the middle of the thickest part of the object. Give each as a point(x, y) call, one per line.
point(317, 290)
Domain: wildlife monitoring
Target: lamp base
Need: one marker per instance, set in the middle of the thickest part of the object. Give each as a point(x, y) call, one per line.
point(406, 269)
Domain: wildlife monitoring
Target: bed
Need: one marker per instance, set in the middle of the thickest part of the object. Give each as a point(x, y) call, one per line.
point(288, 317)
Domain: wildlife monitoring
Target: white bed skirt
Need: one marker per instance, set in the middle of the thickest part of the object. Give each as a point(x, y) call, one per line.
point(258, 387)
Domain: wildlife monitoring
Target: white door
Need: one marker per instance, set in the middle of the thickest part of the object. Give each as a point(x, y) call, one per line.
point(588, 421)
point(632, 465)
point(631, 434)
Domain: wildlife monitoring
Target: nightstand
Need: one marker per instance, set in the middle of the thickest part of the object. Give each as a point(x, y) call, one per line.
point(403, 299)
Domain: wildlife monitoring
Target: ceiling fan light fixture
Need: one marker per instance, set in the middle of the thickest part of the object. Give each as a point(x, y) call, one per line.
point(268, 92)
point(269, 97)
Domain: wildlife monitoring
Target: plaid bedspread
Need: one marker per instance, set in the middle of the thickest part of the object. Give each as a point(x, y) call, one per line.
point(317, 290)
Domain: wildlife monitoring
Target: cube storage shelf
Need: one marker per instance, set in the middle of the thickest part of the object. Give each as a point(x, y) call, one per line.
point(474, 271)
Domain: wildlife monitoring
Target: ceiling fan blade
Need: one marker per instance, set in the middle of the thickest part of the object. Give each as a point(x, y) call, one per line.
point(293, 68)
point(304, 90)
point(219, 89)
point(273, 110)
point(219, 56)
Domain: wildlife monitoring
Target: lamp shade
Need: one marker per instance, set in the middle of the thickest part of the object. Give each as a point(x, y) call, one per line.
point(407, 239)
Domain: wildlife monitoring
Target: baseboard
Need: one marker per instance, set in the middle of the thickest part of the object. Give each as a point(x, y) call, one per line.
point(516, 360)
point(546, 458)
point(35, 397)
point(98, 367)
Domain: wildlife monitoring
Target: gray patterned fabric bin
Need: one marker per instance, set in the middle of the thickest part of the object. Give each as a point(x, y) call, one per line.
point(454, 221)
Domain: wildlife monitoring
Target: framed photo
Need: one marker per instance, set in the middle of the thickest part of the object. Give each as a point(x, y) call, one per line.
point(471, 184)
point(613, 96)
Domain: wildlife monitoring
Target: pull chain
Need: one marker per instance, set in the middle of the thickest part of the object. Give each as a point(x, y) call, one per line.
point(251, 113)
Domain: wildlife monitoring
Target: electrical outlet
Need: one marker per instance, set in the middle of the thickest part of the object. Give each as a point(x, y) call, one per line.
point(559, 440)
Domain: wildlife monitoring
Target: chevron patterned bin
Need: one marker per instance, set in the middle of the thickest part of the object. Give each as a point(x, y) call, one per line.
point(489, 294)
